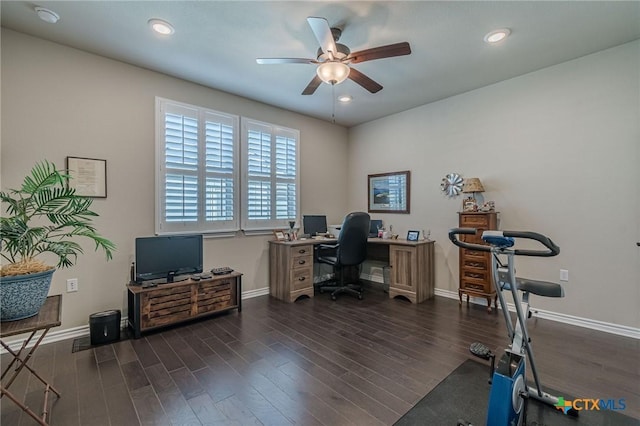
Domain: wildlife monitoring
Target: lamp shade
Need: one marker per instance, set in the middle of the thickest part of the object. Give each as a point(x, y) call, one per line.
point(333, 72)
point(472, 185)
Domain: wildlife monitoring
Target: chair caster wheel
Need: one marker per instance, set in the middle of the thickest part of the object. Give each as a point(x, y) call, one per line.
point(333, 297)
point(359, 297)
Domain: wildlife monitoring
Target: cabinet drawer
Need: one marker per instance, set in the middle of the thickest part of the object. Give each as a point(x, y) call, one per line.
point(474, 221)
point(475, 254)
point(475, 263)
point(301, 261)
point(475, 274)
point(301, 278)
point(475, 286)
point(164, 306)
point(213, 296)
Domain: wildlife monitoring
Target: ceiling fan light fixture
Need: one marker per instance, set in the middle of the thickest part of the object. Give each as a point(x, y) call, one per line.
point(161, 27)
point(497, 36)
point(47, 15)
point(345, 98)
point(333, 72)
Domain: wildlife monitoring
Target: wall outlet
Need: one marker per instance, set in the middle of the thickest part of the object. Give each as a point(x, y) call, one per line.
point(72, 285)
point(564, 275)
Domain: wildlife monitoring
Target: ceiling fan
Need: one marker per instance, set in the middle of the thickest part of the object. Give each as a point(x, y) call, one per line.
point(334, 58)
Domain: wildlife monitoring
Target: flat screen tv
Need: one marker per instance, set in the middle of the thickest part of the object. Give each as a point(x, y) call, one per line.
point(163, 258)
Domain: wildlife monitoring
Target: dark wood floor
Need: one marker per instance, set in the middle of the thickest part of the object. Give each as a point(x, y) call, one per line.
point(315, 362)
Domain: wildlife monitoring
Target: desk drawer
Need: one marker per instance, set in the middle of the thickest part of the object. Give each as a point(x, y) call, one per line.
point(301, 278)
point(301, 261)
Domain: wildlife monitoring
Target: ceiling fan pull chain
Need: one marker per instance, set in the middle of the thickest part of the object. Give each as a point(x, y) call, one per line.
point(333, 103)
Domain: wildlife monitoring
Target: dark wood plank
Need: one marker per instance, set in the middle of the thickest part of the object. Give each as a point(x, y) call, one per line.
point(313, 362)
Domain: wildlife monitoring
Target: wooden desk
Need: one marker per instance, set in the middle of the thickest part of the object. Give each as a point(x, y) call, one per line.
point(47, 318)
point(411, 262)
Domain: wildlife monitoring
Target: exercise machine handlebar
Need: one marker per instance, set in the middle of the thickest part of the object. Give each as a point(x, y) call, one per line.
point(551, 248)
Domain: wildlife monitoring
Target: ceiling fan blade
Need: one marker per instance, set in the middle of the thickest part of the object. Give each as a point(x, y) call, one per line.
point(364, 81)
point(274, 61)
point(388, 51)
point(322, 31)
point(312, 86)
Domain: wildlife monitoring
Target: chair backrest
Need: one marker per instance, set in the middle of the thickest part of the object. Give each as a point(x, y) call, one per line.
point(353, 239)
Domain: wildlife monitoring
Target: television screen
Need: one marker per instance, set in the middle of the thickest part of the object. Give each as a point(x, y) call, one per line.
point(165, 257)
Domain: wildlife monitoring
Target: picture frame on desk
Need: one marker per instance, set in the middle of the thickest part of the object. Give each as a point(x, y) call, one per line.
point(389, 192)
point(279, 235)
point(413, 235)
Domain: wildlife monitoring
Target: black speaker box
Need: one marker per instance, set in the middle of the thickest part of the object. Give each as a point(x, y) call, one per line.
point(105, 327)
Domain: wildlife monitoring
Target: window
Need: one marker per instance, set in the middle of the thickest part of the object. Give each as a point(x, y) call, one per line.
point(270, 184)
point(198, 185)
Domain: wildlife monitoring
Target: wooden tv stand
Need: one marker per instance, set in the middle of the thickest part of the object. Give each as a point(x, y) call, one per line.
point(173, 303)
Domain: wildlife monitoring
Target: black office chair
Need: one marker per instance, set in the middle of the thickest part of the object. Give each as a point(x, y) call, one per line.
point(350, 251)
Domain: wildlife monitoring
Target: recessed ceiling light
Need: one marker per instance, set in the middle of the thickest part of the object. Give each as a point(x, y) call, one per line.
point(161, 27)
point(497, 35)
point(47, 15)
point(345, 98)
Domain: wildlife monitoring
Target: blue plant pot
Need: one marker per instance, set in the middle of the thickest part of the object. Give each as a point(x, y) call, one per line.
point(22, 296)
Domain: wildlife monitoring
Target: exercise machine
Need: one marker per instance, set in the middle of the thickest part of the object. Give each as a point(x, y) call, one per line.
point(509, 388)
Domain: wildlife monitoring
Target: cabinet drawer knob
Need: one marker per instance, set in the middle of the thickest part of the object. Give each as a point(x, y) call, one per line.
point(301, 262)
point(302, 251)
point(301, 279)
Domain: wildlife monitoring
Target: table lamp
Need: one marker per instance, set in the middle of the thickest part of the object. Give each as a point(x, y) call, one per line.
point(472, 186)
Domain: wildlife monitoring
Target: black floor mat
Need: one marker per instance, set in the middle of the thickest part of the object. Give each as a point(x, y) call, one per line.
point(463, 395)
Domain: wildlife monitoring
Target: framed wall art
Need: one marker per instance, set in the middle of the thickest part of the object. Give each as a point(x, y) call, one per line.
point(88, 176)
point(389, 192)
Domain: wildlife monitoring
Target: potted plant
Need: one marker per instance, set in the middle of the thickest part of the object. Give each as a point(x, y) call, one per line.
point(43, 216)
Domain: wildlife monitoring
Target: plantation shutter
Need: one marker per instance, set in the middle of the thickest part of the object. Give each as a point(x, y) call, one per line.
point(197, 152)
point(271, 176)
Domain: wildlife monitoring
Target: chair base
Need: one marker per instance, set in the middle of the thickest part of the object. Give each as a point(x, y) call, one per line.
point(352, 289)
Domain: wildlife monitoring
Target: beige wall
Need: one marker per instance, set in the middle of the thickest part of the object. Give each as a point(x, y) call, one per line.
point(559, 152)
point(59, 102)
point(535, 141)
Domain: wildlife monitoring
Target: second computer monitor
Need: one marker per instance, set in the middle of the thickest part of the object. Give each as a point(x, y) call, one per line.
point(314, 224)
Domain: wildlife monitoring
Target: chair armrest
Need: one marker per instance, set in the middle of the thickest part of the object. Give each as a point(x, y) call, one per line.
point(327, 246)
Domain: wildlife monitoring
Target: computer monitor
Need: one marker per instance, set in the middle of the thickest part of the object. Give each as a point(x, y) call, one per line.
point(373, 229)
point(314, 224)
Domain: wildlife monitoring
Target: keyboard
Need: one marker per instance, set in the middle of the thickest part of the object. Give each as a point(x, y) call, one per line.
point(221, 270)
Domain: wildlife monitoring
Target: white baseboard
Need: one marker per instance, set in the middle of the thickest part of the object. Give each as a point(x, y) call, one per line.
point(621, 330)
point(607, 327)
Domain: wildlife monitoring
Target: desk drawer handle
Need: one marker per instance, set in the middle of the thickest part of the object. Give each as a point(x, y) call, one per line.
point(301, 262)
point(301, 278)
point(471, 275)
point(302, 251)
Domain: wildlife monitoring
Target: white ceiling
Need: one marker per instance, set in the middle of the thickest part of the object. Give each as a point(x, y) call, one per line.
point(216, 44)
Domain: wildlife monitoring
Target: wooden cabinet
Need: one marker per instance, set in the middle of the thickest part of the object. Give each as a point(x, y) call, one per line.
point(290, 270)
point(475, 266)
point(171, 303)
point(412, 271)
